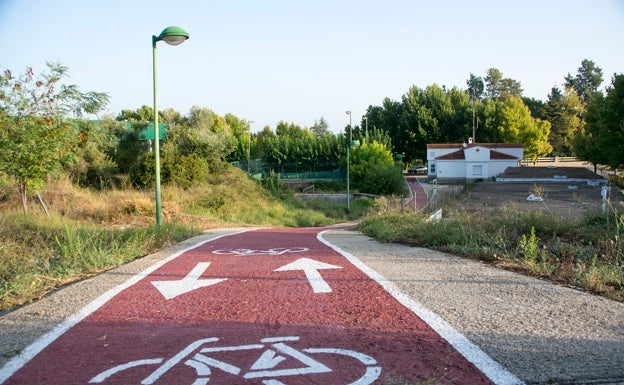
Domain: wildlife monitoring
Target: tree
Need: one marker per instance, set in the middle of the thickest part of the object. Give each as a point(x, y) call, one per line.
point(38, 138)
point(97, 144)
point(475, 87)
point(586, 81)
point(320, 127)
point(600, 141)
point(536, 107)
point(563, 111)
point(142, 114)
point(588, 143)
point(492, 83)
point(241, 129)
point(518, 126)
point(372, 170)
point(498, 87)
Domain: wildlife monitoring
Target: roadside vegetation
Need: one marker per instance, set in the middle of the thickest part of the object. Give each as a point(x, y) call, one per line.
point(76, 194)
point(88, 231)
point(586, 253)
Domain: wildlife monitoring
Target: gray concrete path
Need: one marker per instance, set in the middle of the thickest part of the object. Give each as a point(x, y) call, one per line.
point(541, 332)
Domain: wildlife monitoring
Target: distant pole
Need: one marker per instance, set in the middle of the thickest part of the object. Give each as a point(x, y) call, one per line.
point(348, 149)
point(415, 205)
point(249, 150)
point(366, 120)
point(474, 116)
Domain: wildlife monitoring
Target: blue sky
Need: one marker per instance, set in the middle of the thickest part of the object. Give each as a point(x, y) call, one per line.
point(298, 61)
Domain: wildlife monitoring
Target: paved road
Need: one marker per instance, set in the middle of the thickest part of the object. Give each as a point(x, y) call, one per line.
point(540, 332)
point(418, 194)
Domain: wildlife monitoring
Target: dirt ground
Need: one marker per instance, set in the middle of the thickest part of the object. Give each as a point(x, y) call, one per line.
point(564, 199)
point(558, 198)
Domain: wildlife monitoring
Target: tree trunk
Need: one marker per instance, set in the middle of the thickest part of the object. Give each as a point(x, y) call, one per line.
point(23, 192)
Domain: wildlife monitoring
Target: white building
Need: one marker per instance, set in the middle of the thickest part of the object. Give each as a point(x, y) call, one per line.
point(471, 161)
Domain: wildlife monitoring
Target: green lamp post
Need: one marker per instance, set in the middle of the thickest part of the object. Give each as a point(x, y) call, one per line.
point(173, 36)
point(348, 149)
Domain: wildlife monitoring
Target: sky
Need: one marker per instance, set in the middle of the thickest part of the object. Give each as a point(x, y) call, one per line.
point(302, 60)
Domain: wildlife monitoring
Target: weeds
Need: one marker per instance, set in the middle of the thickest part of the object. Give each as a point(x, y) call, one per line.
point(583, 252)
point(92, 231)
point(38, 254)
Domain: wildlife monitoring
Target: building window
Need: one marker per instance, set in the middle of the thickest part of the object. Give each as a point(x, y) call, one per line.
point(433, 171)
point(477, 169)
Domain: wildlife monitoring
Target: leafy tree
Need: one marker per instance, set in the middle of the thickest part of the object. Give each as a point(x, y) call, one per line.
point(535, 106)
point(320, 128)
point(475, 91)
point(170, 116)
point(498, 87)
point(241, 130)
point(208, 135)
point(388, 118)
point(37, 138)
point(586, 81)
point(493, 83)
point(613, 121)
point(518, 126)
point(192, 149)
point(277, 150)
point(130, 148)
point(563, 111)
point(492, 118)
point(261, 137)
point(433, 115)
point(142, 114)
point(476, 87)
point(372, 170)
point(601, 140)
point(589, 142)
point(380, 136)
point(510, 88)
point(97, 143)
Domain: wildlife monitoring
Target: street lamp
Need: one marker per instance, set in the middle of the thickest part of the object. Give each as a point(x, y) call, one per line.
point(348, 149)
point(172, 36)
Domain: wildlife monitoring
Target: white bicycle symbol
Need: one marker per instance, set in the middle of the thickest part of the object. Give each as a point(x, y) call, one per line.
point(264, 368)
point(273, 251)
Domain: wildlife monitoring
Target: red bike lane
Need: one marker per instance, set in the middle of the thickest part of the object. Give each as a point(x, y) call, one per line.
point(269, 306)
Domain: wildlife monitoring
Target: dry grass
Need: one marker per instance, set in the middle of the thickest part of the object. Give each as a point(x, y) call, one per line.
point(89, 231)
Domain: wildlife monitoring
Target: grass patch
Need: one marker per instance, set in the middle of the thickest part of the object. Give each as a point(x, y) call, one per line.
point(586, 253)
point(92, 231)
point(38, 254)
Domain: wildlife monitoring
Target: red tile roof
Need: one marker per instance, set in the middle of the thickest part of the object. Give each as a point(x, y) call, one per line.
point(500, 155)
point(459, 155)
point(461, 145)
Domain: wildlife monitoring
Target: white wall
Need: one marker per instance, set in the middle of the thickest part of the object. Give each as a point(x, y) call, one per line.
point(450, 169)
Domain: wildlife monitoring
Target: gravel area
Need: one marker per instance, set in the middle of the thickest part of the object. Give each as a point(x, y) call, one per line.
point(542, 333)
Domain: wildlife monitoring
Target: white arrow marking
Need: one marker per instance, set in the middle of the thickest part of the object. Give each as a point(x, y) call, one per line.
point(172, 289)
point(311, 267)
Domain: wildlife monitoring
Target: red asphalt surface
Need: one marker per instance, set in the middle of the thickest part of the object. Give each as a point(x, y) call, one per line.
point(256, 323)
point(418, 194)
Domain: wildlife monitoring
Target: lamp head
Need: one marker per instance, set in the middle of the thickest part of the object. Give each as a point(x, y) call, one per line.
point(173, 35)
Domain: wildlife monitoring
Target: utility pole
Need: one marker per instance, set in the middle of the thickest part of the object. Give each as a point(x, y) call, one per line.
point(250, 122)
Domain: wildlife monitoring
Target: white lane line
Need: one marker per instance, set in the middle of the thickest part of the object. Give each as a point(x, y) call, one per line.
point(36, 347)
point(488, 366)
